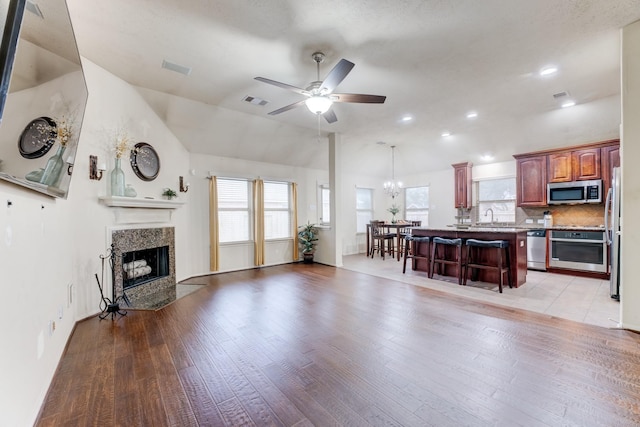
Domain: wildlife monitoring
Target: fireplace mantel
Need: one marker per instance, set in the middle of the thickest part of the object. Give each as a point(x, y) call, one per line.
point(139, 202)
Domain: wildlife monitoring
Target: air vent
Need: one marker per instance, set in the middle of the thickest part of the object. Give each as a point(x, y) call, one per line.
point(33, 8)
point(560, 94)
point(176, 67)
point(255, 100)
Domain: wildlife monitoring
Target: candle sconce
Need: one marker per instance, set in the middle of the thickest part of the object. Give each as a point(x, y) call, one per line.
point(95, 171)
point(183, 187)
point(69, 165)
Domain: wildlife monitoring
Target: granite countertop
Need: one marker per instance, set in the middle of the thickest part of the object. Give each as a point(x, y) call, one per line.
point(475, 229)
point(514, 229)
point(577, 227)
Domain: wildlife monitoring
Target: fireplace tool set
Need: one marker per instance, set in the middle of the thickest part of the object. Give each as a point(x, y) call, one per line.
point(110, 306)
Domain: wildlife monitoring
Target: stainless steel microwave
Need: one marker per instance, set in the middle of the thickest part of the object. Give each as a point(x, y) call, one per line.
point(574, 192)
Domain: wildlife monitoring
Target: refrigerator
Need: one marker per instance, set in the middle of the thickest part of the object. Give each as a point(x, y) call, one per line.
point(612, 228)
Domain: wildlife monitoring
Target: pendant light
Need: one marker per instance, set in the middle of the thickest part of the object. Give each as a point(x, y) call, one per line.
point(392, 187)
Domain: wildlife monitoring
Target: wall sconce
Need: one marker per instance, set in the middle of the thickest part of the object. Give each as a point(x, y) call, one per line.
point(95, 171)
point(183, 187)
point(69, 165)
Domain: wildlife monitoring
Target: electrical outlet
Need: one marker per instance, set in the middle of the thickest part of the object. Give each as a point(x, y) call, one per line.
point(528, 221)
point(541, 221)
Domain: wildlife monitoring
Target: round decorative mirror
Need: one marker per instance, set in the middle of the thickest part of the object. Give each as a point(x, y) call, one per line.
point(145, 161)
point(37, 138)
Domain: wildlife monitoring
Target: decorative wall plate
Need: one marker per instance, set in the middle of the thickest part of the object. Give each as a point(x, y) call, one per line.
point(37, 138)
point(145, 161)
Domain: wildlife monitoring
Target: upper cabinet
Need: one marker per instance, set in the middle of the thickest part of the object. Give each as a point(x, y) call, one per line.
point(462, 176)
point(586, 162)
point(577, 165)
point(610, 159)
point(531, 181)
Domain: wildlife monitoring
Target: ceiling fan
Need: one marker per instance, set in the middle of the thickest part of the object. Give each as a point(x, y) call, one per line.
point(320, 96)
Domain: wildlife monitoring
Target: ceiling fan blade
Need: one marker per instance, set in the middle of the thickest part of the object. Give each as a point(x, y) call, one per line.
point(330, 116)
point(336, 75)
point(283, 86)
point(358, 97)
point(287, 107)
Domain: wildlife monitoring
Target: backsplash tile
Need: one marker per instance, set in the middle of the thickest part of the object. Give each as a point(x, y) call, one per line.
point(581, 215)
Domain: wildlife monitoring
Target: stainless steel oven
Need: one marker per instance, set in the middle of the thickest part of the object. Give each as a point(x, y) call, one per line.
point(578, 250)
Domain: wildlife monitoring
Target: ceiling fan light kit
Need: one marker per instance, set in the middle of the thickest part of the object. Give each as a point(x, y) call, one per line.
point(320, 96)
point(318, 104)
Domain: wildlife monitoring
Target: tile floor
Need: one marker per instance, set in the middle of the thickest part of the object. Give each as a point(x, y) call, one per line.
point(576, 298)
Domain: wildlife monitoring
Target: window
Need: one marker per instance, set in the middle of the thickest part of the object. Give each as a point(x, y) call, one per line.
point(364, 208)
point(325, 205)
point(499, 195)
point(277, 211)
point(233, 210)
point(416, 204)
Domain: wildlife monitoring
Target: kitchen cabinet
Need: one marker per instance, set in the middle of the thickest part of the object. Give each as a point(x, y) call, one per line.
point(462, 179)
point(577, 165)
point(610, 159)
point(531, 181)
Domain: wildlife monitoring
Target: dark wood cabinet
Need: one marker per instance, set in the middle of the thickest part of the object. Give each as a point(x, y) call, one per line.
point(586, 164)
point(578, 165)
point(462, 179)
point(531, 181)
point(559, 167)
point(610, 159)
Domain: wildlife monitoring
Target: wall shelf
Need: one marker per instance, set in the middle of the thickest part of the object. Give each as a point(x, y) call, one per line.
point(139, 202)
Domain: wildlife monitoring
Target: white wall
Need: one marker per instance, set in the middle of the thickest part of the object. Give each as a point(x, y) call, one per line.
point(50, 246)
point(630, 152)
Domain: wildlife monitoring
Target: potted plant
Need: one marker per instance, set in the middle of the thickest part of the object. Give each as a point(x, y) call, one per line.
point(169, 193)
point(307, 238)
point(394, 209)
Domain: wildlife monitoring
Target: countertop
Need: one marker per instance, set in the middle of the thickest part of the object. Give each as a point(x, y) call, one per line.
point(475, 229)
point(513, 229)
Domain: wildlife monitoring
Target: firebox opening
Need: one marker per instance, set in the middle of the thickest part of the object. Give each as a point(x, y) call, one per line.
point(144, 266)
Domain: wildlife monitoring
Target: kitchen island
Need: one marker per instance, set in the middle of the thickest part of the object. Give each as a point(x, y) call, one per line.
point(517, 238)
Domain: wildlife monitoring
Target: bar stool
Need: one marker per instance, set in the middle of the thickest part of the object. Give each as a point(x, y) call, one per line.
point(501, 246)
point(441, 259)
point(411, 250)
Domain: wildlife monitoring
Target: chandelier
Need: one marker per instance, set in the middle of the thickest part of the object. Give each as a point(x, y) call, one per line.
point(393, 187)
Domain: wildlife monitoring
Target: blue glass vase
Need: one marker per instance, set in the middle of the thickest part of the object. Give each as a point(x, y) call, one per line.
point(117, 180)
point(52, 170)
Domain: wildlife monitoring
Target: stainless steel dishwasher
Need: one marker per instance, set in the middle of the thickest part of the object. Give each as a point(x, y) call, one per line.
point(537, 249)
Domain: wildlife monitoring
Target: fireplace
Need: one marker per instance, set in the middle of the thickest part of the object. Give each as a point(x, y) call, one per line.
point(144, 267)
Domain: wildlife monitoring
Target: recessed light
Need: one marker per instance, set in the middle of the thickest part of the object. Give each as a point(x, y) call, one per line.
point(445, 134)
point(472, 115)
point(486, 157)
point(407, 118)
point(568, 104)
point(548, 70)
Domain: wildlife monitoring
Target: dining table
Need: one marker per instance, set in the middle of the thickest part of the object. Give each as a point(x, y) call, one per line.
point(391, 227)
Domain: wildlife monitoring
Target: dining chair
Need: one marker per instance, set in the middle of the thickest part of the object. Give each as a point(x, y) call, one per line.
point(381, 240)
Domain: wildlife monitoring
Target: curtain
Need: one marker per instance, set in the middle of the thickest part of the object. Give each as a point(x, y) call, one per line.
point(214, 243)
point(294, 219)
point(258, 206)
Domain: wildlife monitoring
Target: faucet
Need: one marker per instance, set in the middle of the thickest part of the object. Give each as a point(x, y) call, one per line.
point(487, 212)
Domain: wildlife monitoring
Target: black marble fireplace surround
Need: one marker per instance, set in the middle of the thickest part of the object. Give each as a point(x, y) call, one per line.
point(153, 292)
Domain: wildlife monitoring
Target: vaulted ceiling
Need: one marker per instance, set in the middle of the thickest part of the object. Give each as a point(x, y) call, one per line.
point(434, 60)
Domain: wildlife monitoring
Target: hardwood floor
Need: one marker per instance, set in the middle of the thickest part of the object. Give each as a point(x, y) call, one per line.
point(301, 345)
